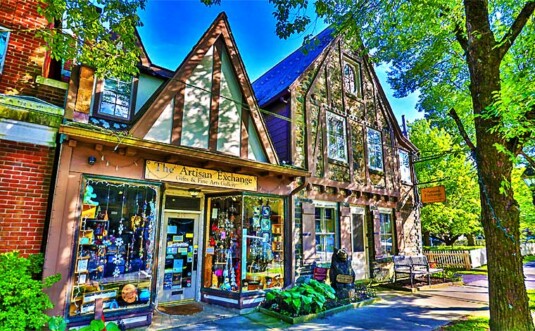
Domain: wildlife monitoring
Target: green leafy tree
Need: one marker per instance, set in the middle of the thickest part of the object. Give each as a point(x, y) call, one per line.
point(442, 159)
point(524, 196)
point(473, 60)
point(22, 300)
point(98, 33)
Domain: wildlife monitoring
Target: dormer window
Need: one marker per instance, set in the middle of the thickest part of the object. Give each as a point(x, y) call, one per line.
point(114, 99)
point(4, 39)
point(352, 79)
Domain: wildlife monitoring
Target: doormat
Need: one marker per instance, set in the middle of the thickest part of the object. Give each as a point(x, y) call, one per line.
point(183, 309)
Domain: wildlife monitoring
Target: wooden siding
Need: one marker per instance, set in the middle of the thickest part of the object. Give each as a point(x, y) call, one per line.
point(279, 129)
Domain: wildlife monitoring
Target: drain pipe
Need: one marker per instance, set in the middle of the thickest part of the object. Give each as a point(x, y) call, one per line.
point(289, 234)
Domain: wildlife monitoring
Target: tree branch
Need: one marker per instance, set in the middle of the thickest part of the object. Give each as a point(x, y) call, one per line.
point(460, 37)
point(515, 29)
point(462, 131)
point(528, 158)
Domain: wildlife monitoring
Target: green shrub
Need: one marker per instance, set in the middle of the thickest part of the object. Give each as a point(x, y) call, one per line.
point(22, 300)
point(98, 325)
point(58, 323)
point(310, 297)
point(303, 299)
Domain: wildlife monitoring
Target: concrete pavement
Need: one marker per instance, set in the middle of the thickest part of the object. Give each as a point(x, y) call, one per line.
point(425, 310)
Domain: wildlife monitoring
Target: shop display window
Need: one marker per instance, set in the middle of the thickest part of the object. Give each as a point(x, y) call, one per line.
point(244, 243)
point(114, 246)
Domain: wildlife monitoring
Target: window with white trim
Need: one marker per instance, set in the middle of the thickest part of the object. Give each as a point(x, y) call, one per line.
point(386, 234)
point(115, 99)
point(404, 166)
point(325, 233)
point(4, 40)
point(352, 79)
point(375, 150)
point(336, 137)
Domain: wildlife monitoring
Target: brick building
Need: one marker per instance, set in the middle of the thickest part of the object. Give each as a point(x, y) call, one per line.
point(31, 108)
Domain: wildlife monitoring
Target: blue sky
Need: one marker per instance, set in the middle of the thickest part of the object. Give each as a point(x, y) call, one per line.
point(172, 27)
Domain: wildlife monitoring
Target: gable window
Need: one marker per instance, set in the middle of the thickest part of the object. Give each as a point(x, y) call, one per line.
point(115, 99)
point(4, 39)
point(352, 79)
point(386, 234)
point(336, 137)
point(404, 167)
point(375, 150)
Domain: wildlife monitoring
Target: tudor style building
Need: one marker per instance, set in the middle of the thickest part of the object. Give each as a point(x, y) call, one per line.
point(168, 189)
point(331, 117)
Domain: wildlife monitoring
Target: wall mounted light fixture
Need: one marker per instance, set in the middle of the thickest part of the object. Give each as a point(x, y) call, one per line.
point(194, 192)
point(91, 160)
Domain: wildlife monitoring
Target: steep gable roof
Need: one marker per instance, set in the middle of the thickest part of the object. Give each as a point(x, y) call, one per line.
point(146, 64)
point(218, 31)
point(276, 80)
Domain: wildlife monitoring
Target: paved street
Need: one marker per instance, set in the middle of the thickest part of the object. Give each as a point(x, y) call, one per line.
point(425, 310)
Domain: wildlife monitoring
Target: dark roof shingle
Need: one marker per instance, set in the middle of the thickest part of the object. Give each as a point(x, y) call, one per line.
point(282, 75)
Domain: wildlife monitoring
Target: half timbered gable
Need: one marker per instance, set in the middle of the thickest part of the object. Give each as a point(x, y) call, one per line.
point(329, 115)
point(208, 103)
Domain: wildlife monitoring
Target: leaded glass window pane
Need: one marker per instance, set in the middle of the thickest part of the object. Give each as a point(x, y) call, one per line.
point(375, 150)
point(336, 137)
point(116, 97)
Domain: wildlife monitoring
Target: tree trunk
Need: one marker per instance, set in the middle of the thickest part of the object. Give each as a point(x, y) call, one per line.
point(426, 239)
point(471, 239)
point(508, 300)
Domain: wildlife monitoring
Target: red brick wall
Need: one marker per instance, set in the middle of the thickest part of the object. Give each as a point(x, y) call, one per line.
point(25, 172)
point(25, 54)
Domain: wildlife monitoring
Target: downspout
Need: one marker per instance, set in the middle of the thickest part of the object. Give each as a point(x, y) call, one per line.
point(290, 246)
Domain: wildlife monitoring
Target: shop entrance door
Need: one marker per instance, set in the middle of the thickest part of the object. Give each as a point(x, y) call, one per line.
point(359, 257)
point(179, 265)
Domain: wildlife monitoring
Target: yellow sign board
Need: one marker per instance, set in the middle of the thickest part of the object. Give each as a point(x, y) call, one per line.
point(198, 176)
point(434, 194)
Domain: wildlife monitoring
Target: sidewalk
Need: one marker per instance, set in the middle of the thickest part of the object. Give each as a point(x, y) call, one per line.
point(425, 310)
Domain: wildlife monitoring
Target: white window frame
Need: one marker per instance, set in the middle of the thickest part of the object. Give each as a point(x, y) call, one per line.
point(323, 255)
point(375, 149)
point(384, 235)
point(4, 51)
point(404, 166)
point(340, 146)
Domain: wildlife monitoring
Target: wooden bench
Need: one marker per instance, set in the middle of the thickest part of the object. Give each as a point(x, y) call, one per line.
point(414, 266)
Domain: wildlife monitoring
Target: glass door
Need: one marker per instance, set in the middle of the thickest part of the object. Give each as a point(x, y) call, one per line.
point(179, 267)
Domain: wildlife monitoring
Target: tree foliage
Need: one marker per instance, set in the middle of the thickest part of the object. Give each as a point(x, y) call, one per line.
point(473, 60)
point(442, 159)
point(98, 33)
point(524, 196)
point(22, 300)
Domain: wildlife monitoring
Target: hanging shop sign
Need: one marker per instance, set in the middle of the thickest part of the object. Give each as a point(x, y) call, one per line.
point(191, 175)
point(433, 194)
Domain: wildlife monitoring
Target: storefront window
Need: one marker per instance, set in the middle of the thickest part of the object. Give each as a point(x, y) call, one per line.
point(244, 249)
point(115, 246)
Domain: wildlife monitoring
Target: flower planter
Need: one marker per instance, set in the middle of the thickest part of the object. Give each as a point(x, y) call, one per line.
point(306, 318)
